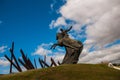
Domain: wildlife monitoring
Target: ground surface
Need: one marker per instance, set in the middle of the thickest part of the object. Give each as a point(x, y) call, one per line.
point(68, 72)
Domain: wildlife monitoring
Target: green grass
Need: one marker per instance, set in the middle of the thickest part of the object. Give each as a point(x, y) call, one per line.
point(68, 72)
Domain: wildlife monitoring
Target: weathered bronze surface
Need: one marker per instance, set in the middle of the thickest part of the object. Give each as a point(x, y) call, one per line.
point(73, 47)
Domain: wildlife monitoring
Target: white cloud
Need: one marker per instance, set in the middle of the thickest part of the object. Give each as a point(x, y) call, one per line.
point(59, 22)
point(57, 56)
point(23, 68)
point(43, 49)
point(3, 49)
point(108, 54)
point(106, 29)
point(83, 11)
point(52, 24)
point(102, 18)
point(4, 62)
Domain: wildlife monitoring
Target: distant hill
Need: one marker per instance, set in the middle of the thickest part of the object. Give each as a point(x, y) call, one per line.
point(68, 72)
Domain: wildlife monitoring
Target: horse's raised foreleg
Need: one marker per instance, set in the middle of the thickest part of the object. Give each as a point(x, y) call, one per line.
point(54, 45)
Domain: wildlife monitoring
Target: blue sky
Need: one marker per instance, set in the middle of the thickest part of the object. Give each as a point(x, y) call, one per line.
point(32, 25)
point(26, 22)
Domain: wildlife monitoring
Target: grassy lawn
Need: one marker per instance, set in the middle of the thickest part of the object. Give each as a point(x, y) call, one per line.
point(68, 72)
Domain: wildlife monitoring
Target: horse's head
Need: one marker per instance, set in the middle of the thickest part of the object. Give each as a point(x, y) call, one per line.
point(59, 36)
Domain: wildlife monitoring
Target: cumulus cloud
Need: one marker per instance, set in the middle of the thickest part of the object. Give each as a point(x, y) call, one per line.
point(3, 49)
point(59, 22)
point(106, 30)
point(101, 16)
point(102, 20)
point(108, 54)
point(57, 56)
point(83, 11)
point(43, 49)
point(4, 62)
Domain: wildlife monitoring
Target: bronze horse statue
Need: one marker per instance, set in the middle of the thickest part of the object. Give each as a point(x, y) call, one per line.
point(73, 47)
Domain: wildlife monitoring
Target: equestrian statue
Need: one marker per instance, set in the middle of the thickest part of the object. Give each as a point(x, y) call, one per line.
point(73, 47)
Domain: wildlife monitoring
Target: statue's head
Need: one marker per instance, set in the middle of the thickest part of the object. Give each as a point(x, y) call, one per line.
point(59, 36)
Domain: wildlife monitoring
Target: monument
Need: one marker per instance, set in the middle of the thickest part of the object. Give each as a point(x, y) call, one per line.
point(73, 47)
